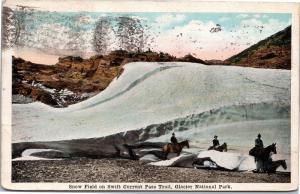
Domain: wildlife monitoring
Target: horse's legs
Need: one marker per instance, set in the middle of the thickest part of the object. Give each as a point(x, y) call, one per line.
point(272, 168)
point(166, 155)
point(259, 165)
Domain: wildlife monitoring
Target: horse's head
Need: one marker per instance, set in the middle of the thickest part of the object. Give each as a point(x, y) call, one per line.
point(225, 147)
point(187, 143)
point(273, 148)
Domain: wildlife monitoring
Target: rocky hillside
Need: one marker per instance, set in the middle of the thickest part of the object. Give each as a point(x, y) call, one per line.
point(273, 52)
point(74, 79)
point(192, 59)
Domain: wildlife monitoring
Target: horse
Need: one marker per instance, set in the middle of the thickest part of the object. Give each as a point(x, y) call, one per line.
point(175, 148)
point(220, 148)
point(264, 153)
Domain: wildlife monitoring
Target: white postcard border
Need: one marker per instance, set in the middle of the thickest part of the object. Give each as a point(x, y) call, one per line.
point(150, 6)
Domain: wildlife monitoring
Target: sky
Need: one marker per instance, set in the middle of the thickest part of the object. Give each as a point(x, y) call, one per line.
point(237, 32)
point(204, 35)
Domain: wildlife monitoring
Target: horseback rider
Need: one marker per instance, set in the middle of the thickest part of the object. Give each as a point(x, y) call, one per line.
point(258, 142)
point(258, 146)
point(174, 139)
point(216, 142)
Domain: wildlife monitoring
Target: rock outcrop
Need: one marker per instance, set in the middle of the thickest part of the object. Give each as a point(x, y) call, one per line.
point(74, 79)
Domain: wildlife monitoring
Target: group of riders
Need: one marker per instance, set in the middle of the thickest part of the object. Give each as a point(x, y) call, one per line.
point(215, 141)
point(262, 158)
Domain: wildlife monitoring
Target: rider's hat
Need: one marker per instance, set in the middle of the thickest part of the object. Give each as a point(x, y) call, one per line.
point(215, 136)
point(173, 133)
point(259, 135)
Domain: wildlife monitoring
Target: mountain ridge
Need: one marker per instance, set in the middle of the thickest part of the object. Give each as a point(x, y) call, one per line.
point(272, 52)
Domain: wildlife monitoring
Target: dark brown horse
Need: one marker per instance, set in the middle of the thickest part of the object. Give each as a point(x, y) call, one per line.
point(175, 148)
point(264, 153)
point(220, 148)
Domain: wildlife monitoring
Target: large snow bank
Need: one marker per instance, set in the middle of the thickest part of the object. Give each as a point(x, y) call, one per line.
point(149, 93)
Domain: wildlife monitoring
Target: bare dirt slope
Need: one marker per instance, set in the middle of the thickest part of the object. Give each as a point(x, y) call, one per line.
point(121, 170)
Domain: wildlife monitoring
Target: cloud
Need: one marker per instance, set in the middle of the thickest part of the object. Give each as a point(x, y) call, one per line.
point(168, 19)
point(265, 16)
point(223, 19)
point(144, 19)
point(242, 15)
point(256, 15)
point(195, 38)
point(265, 28)
point(84, 19)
